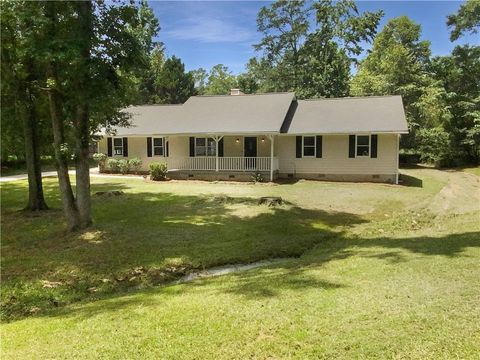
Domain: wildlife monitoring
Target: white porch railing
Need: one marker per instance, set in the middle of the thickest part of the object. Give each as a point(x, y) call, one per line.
point(224, 163)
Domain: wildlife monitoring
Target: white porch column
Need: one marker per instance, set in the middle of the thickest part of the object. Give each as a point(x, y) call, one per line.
point(217, 140)
point(271, 156)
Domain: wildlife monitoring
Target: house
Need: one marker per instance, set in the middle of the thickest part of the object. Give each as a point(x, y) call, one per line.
point(233, 136)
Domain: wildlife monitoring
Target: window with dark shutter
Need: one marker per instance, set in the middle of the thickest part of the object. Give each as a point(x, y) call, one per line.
point(117, 146)
point(158, 146)
point(298, 150)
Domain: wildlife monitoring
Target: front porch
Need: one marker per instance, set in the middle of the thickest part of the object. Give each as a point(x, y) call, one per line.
point(218, 157)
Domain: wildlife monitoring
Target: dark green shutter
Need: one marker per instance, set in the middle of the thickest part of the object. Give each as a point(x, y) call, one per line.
point(373, 146)
point(319, 146)
point(298, 151)
point(351, 146)
point(220, 148)
point(192, 146)
point(109, 147)
point(125, 147)
point(149, 147)
point(167, 142)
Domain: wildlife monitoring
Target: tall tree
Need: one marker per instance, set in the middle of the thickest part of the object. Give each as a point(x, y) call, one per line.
point(459, 74)
point(21, 107)
point(311, 63)
point(220, 81)
point(397, 65)
point(173, 85)
point(467, 19)
point(200, 77)
point(284, 25)
point(89, 74)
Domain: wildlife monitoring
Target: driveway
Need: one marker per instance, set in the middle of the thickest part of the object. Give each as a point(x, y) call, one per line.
point(93, 173)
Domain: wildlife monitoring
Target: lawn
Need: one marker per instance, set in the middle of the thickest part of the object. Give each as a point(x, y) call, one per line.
point(375, 271)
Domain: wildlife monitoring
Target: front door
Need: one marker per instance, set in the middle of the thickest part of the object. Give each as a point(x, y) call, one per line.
point(250, 152)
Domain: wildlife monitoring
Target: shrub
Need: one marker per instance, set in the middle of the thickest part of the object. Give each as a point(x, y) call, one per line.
point(124, 166)
point(257, 177)
point(100, 159)
point(113, 165)
point(158, 171)
point(135, 164)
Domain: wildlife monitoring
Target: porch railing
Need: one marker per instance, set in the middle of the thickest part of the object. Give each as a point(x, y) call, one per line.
point(239, 163)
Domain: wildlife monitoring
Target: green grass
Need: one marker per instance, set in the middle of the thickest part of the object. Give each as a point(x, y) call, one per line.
point(473, 170)
point(379, 271)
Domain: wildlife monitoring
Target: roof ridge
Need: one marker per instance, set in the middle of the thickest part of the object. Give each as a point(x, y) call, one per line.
point(350, 97)
point(129, 106)
point(243, 95)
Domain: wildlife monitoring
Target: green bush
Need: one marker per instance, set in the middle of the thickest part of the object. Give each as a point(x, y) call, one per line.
point(257, 177)
point(124, 166)
point(100, 159)
point(158, 171)
point(135, 164)
point(113, 165)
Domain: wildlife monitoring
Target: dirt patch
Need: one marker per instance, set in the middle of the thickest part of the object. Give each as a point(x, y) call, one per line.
point(461, 195)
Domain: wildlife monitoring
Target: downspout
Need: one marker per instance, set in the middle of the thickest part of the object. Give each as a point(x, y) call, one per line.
point(398, 158)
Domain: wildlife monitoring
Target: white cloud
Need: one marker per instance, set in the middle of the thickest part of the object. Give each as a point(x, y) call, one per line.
point(210, 30)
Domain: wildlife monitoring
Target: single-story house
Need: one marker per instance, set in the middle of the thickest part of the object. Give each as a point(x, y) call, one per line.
point(233, 136)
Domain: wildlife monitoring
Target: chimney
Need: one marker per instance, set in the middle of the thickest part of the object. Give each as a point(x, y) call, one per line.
point(235, 92)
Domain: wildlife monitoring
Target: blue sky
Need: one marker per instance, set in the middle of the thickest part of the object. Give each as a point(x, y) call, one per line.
point(206, 33)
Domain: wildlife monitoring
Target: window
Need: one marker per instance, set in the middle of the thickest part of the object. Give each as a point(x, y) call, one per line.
point(205, 147)
point(363, 145)
point(117, 146)
point(158, 148)
point(309, 146)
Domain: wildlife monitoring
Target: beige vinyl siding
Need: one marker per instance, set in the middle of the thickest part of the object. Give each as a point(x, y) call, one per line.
point(335, 158)
point(231, 147)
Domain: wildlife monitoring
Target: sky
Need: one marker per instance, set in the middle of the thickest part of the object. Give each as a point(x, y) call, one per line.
point(206, 33)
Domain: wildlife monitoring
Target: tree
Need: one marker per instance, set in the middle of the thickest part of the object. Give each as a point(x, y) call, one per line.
point(459, 74)
point(89, 74)
point(397, 65)
point(311, 63)
point(173, 85)
point(467, 19)
point(284, 25)
point(21, 107)
point(247, 83)
point(200, 77)
point(220, 81)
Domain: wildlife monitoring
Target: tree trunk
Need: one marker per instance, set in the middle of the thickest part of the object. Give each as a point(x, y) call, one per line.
point(82, 167)
point(36, 200)
point(68, 200)
point(82, 128)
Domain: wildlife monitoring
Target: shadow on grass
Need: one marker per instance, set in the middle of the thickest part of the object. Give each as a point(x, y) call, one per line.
point(412, 181)
point(143, 239)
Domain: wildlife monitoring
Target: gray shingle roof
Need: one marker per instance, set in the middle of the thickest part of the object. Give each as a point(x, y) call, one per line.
point(263, 113)
point(349, 115)
point(268, 113)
